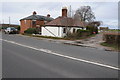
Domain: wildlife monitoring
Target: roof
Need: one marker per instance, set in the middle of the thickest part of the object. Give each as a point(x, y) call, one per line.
point(65, 22)
point(37, 17)
point(80, 23)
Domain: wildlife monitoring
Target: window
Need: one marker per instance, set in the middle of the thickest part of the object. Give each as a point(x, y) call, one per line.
point(25, 21)
point(64, 30)
point(34, 22)
point(73, 30)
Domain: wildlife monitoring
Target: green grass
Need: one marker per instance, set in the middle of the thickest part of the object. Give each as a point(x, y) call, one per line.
point(114, 46)
point(114, 30)
point(42, 36)
point(50, 37)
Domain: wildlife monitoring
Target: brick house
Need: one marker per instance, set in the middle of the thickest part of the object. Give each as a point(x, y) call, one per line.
point(34, 21)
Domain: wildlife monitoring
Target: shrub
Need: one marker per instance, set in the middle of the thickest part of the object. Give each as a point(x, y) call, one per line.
point(78, 34)
point(31, 31)
point(92, 29)
point(4, 27)
point(81, 32)
point(18, 28)
point(112, 38)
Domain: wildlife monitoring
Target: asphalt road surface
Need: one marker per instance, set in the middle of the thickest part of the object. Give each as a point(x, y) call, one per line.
point(27, 57)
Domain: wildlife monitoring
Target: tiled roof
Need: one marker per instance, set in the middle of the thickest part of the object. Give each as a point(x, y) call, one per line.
point(65, 22)
point(38, 17)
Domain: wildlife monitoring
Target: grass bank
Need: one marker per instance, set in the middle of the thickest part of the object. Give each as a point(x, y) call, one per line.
point(114, 46)
point(40, 36)
point(58, 38)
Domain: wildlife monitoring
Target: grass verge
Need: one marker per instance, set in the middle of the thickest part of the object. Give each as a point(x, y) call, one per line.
point(50, 37)
point(114, 46)
point(40, 36)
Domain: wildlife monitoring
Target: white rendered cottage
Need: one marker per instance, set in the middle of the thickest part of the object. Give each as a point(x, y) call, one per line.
point(61, 25)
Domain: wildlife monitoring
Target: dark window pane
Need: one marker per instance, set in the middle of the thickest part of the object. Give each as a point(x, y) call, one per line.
point(64, 30)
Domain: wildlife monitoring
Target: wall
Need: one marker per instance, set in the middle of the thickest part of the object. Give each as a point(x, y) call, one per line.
point(40, 23)
point(25, 24)
point(52, 31)
point(55, 31)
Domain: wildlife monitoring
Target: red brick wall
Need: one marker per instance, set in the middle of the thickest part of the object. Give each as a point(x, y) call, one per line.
point(25, 26)
point(40, 23)
point(29, 24)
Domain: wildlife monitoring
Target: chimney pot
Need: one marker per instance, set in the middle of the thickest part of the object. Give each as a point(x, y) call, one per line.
point(48, 15)
point(34, 13)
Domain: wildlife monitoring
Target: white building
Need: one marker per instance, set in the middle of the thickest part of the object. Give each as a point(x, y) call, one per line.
point(61, 25)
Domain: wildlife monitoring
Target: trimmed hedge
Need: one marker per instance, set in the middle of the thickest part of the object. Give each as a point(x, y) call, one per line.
point(82, 33)
point(92, 29)
point(78, 34)
point(31, 31)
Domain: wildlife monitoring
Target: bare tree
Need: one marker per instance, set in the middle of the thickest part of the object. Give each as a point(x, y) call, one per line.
point(84, 13)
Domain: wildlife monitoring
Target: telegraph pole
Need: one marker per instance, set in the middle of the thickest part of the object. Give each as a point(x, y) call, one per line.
point(70, 11)
point(3, 21)
point(9, 21)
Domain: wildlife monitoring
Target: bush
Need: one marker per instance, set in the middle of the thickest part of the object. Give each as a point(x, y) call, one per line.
point(4, 27)
point(31, 31)
point(81, 32)
point(112, 38)
point(18, 28)
point(92, 29)
point(78, 34)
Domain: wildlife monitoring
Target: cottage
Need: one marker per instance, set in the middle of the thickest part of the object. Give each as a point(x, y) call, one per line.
point(60, 26)
point(34, 21)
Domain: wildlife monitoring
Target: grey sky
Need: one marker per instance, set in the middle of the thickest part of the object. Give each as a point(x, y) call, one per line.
point(104, 11)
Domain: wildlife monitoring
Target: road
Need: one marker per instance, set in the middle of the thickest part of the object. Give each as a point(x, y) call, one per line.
point(27, 57)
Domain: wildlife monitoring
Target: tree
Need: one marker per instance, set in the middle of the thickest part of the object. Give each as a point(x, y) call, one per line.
point(85, 14)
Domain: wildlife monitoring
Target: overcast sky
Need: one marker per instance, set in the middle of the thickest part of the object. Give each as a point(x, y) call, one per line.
point(107, 12)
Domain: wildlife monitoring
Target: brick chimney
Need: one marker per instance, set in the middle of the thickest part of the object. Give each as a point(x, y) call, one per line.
point(34, 13)
point(48, 15)
point(64, 12)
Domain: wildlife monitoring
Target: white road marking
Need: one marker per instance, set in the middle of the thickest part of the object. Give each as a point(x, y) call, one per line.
point(65, 56)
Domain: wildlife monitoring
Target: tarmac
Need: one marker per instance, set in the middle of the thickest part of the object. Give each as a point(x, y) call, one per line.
point(93, 42)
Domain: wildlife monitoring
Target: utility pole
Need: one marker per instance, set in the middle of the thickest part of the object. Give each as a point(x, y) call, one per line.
point(3, 21)
point(9, 21)
point(70, 11)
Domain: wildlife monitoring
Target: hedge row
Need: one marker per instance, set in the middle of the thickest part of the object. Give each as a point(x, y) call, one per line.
point(92, 29)
point(112, 38)
point(78, 34)
point(83, 33)
point(31, 31)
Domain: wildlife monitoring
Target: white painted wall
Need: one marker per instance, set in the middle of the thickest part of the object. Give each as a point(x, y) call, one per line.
point(52, 31)
point(55, 31)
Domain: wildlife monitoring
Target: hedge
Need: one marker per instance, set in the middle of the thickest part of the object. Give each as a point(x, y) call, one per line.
point(78, 34)
point(81, 33)
point(92, 29)
point(31, 31)
point(112, 38)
